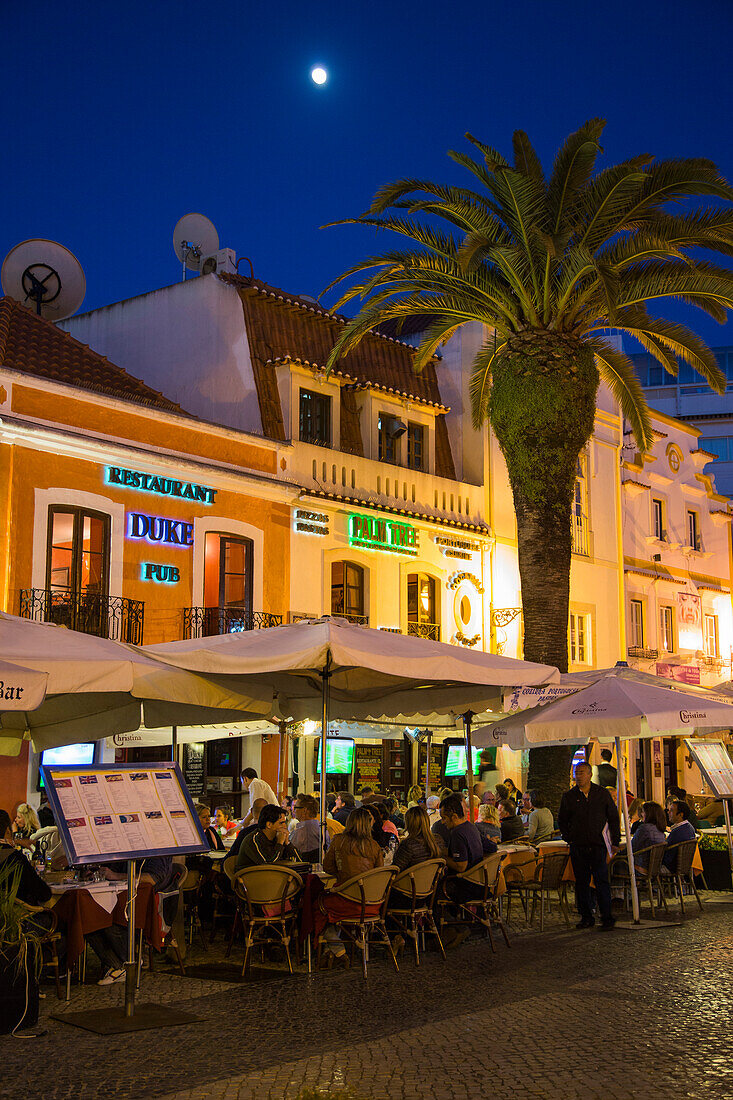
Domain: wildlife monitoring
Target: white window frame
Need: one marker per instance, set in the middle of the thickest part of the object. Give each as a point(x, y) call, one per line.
point(579, 638)
point(694, 538)
point(658, 529)
point(710, 620)
point(666, 629)
point(636, 627)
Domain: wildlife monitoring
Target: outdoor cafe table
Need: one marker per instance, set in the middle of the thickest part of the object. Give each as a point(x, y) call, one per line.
point(81, 914)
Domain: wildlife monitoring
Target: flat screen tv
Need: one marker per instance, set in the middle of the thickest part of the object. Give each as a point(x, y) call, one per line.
point(339, 756)
point(455, 763)
point(68, 754)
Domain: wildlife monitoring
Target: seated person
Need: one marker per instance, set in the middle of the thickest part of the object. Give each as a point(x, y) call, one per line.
point(488, 822)
point(351, 853)
point(257, 807)
point(541, 824)
point(650, 831)
point(31, 887)
point(432, 805)
point(510, 821)
point(306, 836)
point(680, 830)
point(414, 795)
point(514, 793)
point(25, 825)
point(679, 794)
point(223, 821)
point(711, 814)
point(524, 809)
point(388, 825)
point(378, 833)
point(216, 844)
point(394, 814)
point(420, 843)
point(269, 842)
point(466, 848)
point(343, 806)
point(635, 818)
point(501, 792)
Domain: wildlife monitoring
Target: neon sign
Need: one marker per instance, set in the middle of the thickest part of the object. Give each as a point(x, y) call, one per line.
point(383, 534)
point(164, 486)
point(154, 529)
point(161, 574)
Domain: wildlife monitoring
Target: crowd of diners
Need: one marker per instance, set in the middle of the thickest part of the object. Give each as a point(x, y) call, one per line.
point(368, 830)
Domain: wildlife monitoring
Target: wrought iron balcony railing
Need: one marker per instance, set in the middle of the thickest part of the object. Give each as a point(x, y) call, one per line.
point(580, 535)
point(204, 622)
point(425, 630)
point(642, 653)
point(113, 617)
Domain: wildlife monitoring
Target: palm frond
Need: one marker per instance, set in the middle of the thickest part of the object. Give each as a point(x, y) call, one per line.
point(617, 371)
point(480, 382)
point(572, 169)
point(526, 160)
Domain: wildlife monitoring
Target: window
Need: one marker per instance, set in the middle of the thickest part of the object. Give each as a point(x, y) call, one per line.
point(228, 564)
point(579, 638)
point(347, 591)
point(579, 515)
point(693, 530)
point(422, 606)
point(666, 629)
point(77, 561)
point(636, 624)
point(658, 520)
point(710, 636)
point(390, 429)
point(415, 445)
point(719, 445)
point(315, 418)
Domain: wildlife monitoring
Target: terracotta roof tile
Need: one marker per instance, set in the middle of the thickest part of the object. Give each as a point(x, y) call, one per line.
point(282, 327)
point(35, 346)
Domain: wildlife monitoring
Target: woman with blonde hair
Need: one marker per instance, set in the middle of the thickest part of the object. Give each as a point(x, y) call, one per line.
point(25, 825)
point(414, 795)
point(488, 822)
point(420, 843)
point(350, 853)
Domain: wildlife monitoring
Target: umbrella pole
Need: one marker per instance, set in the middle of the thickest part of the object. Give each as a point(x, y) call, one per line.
point(174, 744)
point(469, 761)
point(130, 967)
point(726, 812)
point(325, 677)
point(627, 828)
point(428, 746)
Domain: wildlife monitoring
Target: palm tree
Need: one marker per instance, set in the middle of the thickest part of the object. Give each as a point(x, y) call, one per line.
point(547, 265)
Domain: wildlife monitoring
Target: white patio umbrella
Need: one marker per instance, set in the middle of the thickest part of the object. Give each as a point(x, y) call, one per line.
point(96, 687)
point(620, 704)
point(365, 674)
point(21, 689)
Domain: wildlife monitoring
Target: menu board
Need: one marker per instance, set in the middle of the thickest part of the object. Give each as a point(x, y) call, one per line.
point(715, 764)
point(436, 765)
point(193, 768)
point(125, 811)
point(368, 766)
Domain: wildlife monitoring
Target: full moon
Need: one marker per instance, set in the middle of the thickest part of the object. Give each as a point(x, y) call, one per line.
point(319, 75)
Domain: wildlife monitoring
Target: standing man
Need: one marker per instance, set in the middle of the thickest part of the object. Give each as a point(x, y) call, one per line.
point(256, 788)
point(585, 812)
point(607, 774)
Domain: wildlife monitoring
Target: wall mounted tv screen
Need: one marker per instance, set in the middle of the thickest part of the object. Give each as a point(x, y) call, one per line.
point(68, 754)
point(455, 763)
point(339, 756)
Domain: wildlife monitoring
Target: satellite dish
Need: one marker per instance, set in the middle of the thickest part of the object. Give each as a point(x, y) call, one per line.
point(44, 275)
point(194, 238)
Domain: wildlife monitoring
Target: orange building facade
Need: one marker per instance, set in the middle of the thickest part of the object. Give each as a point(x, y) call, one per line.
point(124, 516)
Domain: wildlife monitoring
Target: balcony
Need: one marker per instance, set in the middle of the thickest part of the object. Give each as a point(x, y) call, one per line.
point(580, 534)
point(204, 622)
point(113, 617)
point(431, 631)
point(300, 616)
point(642, 653)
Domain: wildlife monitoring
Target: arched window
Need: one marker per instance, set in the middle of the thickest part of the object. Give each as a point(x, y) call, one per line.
point(423, 615)
point(347, 591)
point(227, 584)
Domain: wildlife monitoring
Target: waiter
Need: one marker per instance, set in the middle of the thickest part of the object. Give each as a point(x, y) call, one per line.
point(256, 788)
point(589, 822)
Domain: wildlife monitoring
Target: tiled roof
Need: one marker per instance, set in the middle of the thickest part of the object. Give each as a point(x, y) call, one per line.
point(282, 326)
point(35, 346)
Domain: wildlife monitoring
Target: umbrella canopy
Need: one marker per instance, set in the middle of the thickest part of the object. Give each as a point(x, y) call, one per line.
point(96, 687)
point(373, 674)
point(188, 735)
point(621, 702)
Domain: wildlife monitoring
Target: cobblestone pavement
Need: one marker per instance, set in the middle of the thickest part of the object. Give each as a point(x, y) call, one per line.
point(563, 1015)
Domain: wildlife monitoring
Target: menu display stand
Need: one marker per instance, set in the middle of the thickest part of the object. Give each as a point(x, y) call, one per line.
point(716, 766)
point(129, 812)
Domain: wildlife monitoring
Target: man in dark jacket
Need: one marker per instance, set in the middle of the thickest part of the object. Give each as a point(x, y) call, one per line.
point(586, 810)
point(607, 774)
point(343, 806)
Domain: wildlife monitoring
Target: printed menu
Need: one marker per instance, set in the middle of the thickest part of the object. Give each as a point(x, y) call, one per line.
point(123, 812)
point(716, 765)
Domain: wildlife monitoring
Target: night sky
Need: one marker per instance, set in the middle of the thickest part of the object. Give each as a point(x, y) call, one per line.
point(119, 118)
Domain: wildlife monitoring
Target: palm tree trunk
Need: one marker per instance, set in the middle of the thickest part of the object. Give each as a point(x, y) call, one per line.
point(543, 402)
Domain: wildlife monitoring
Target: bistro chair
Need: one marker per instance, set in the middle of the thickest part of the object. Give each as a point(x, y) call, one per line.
point(483, 907)
point(223, 891)
point(369, 889)
point(649, 876)
point(683, 875)
point(548, 876)
point(265, 902)
point(47, 937)
point(412, 901)
point(516, 874)
point(192, 919)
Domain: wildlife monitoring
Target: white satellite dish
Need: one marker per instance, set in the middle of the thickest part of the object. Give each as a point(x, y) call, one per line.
point(194, 238)
point(44, 276)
